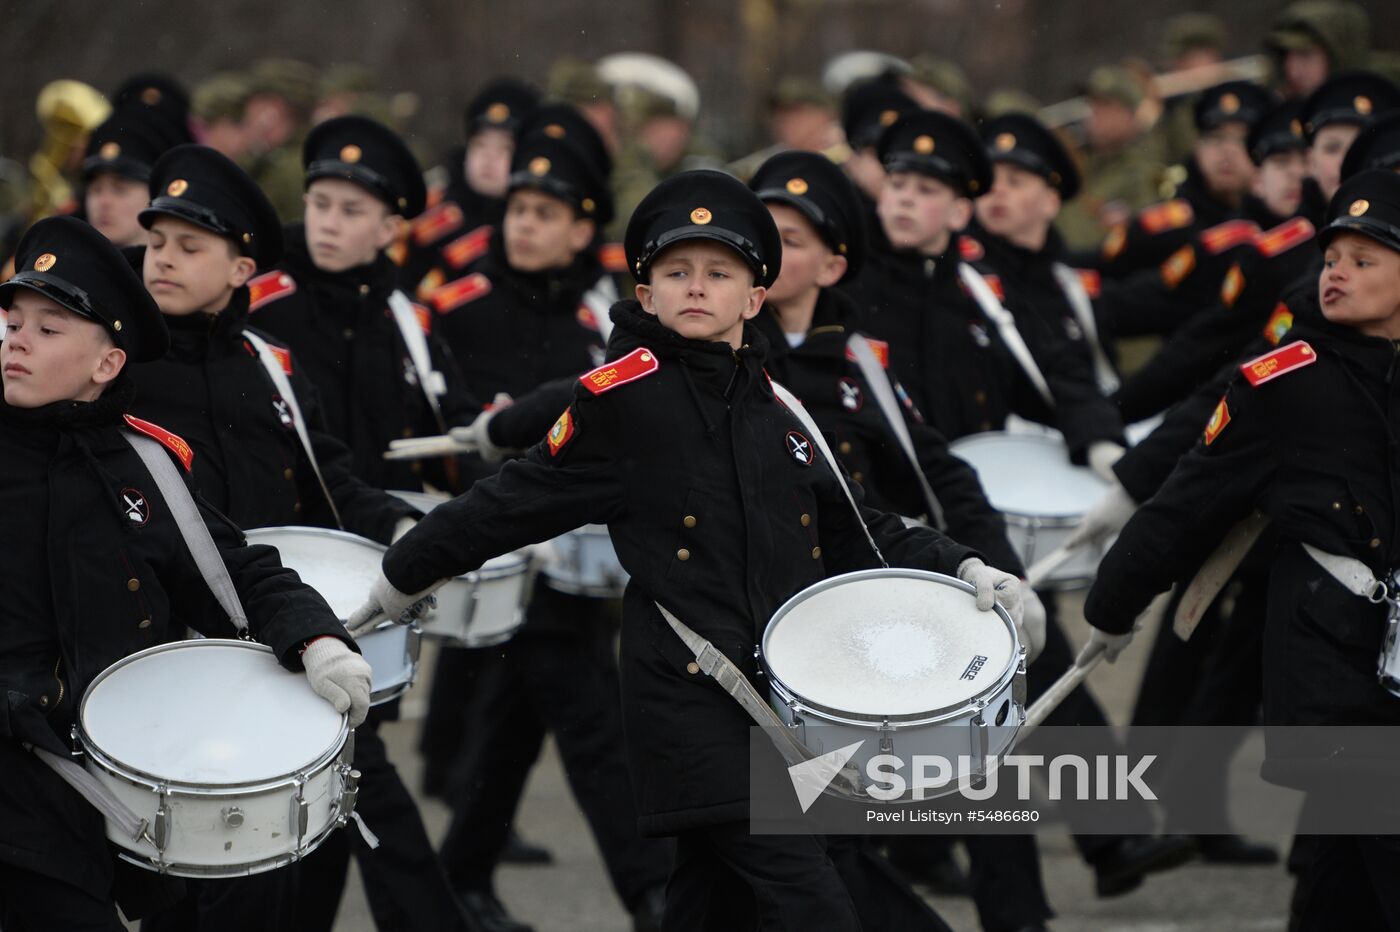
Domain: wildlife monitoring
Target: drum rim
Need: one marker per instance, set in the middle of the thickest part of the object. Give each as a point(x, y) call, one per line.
point(927, 717)
point(297, 530)
point(133, 774)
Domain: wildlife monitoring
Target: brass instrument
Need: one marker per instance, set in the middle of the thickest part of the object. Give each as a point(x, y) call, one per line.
point(68, 111)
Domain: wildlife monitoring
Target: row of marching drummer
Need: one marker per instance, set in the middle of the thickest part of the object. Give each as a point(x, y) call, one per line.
point(727, 450)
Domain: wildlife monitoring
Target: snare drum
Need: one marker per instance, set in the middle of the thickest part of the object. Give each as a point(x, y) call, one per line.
point(236, 765)
point(342, 567)
point(481, 608)
point(586, 564)
point(1028, 478)
point(901, 660)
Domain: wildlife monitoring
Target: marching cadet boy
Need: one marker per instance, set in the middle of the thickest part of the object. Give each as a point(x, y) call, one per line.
point(118, 163)
point(1332, 117)
point(955, 361)
point(718, 508)
point(96, 566)
point(1306, 435)
point(473, 199)
point(525, 316)
point(211, 228)
point(330, 301)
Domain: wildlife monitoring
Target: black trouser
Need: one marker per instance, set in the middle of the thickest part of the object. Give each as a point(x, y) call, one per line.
point(404, 882)
point(266, 902)
point(726, 879)
point(1215, 678)
point(883, 899)
point(559, 672)
point(31, 902)
point(1349, 882)
point(450, 701)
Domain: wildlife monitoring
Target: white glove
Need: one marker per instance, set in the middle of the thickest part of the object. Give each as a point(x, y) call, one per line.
point(476, 435)
point(1105, 518)
point(403, 527)
point(339, 675)
point(1102, 455)
point(386, 601)
point(993, 586)
point(1033, 618)
point(1111, 644)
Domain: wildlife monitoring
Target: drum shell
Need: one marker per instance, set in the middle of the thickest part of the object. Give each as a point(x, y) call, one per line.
point(1034, 537)
point(201, 839)
point(482, 608)
point(986, 724)
point(586, 564)
point(391, 650)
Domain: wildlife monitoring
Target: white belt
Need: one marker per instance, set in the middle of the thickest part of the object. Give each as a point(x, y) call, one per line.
point(1355, 577)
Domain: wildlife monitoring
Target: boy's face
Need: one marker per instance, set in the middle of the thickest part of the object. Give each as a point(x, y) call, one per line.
point(808, 262)
point(51, 354)
point(702, 290)
point(1360, 285)
point(1279, 182)
point(919, 212)
point(1305, 70)
point(1224, 160)
point(189, 269)
point(1020, 202)
point(542, 232)
point(113, 204)
point(1325, 155)
point(346, 226)
point(487, 162)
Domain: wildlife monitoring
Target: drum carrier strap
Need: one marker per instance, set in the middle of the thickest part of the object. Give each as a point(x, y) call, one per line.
point(1005, 323)
point(431, 381)
point(1083, 307)
point(278, 375)
point(884, 397)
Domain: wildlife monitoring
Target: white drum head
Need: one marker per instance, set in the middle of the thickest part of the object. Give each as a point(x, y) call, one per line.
point(340, 566)
point(887, 643)
point(209, 712)
point(1030, 474)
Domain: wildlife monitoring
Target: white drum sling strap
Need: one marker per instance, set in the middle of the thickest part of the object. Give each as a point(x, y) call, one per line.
point(278, 375)
point(599, 299)
point(431, 381)
point(1083, 308)
point(884, 397)
point(1005, 323)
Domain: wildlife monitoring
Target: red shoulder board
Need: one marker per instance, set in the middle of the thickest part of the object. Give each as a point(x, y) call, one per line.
point(1284, 237)
point(468, 247)
point(463, 291)
point(970, 250)
point(268, 287)
point(1280, 322)
point(168, 440)
point(1228, 235)
point(430, 283)
point(587, 318)
point(1178, 265)
point(432, 225)
point(1168, 215)
point(635, 365)
point(1092, 282)
point(881, 348)
point(425, 318)
point(1281, 361)
point(1218, 420)
point(280, 353)
point(613, 257)
point(1233, 284)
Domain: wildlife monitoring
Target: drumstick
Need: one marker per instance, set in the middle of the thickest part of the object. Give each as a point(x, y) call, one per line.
point(1042, 568)
point(425, 448)
point(1057, 692)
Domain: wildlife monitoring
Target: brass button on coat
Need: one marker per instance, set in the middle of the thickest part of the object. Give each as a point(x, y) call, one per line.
point(43, 702)
point(816, 553)
point(806, 520)
point(689, 521)
point(144, 623)
point(133, 584)
point(682, 554)
point(1375, 542)
point(844, 447)
point(692, 668)
point(287, 473)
